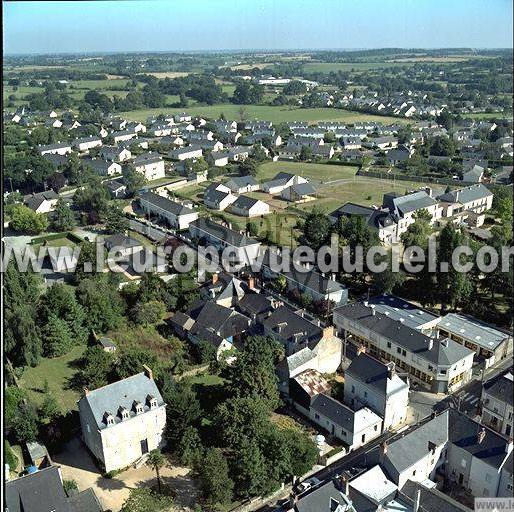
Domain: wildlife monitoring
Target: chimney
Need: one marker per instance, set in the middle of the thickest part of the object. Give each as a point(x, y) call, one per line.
point(417, 500)
point(481, 435)
point(251, 282)
point(215, 278)
point(148, 372)
point(361, 350)
point(86, 391)
point(383, 451)
point(373, 312)
point(390, 370)
point(328, 332)
point(509, 445)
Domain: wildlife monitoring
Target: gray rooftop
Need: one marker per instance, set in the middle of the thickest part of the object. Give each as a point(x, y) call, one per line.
point(122, 393)
point(467, 194)
point(217, 231)
point(165, 204)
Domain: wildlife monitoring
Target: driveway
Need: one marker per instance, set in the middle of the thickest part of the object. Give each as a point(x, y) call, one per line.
point(77, 464)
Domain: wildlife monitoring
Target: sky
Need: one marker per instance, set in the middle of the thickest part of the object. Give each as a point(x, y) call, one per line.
point(194, 25)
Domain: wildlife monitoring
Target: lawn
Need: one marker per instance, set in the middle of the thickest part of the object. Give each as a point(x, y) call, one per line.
point(269, 113)
point(317, 172)
point(57, 371)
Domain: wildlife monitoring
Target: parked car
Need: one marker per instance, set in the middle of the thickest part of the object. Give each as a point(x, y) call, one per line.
point(307, 484)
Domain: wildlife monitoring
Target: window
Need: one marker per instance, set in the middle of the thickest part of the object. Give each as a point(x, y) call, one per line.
point(442, 372)
point(398, 350)
point(363, 438)
point(414, 473)
point(375, 428)
point(404, 353)
point(388, 344)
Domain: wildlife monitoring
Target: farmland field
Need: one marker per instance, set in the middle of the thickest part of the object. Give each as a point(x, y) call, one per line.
point(268, 113)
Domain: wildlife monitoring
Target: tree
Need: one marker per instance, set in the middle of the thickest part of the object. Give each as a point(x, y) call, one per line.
point(258, 153)
point(217, 486)
point(92, 199)
point(247, 168)
point(251, 471)
point(144, 499)
point(157, 461)
point(13, 398)
point(418, 232)
point(190, 448)
point(252, 229)
point(94, 368)
point(115, 220)
point(148, 313)
point(25, 425)
point(63, 219)
point(206, 352)
point(102, 303)
point(25, 220)
point(133, 180)
point(132, 360)
point(305, 153)
point(316, 229)
point(57, 337)
point(49, 409)
point(253, 372)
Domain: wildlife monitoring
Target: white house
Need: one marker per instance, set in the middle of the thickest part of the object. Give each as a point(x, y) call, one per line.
point(371, 383)
point(103, 167)
point(61, 148)
point(218, 159)
point(186, 153)
point(86, 143)
point(116, 154)
point(122, 422)
point(282, 181)
point(151, 166)
point(242, 184)
point(218, 196)
point(43, 202)
point(123, 135)
point(249, 207)
point(176, 214)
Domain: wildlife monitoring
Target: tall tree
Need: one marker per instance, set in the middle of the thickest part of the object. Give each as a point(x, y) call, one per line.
point(157, 461)
point(217, 486)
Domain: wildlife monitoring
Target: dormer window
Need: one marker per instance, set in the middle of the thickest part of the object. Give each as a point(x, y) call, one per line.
point(108, 418)
point(123, 413)
point(151, 401)
point(138, 407)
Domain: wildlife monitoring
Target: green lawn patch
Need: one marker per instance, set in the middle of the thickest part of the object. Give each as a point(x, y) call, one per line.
point(57, 371)
point(317, 172)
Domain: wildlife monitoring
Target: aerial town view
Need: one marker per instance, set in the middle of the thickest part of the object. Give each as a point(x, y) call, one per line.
point(257, 256)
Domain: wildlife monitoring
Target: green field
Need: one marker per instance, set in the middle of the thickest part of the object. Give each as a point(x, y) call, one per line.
point(268, 113)
point(318, 172)
point(56, 371)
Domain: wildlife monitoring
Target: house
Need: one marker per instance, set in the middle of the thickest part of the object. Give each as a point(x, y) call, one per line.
point(61, 148)
point(353, 428)
point(86, 143)
point(218, 158)
point(373, 384)
point(42, 202)
point(182, 118)
point(306, 281)
point(242, 184)
point(238, 153)
point(209, 145)
point(186, 153)
point(103, 167)
point(430, 498)
point(70, 124)
point(224, 289)
point(160, 130)
point(123, 421)
point(58, 161)
point(351, 142)
point(282, 181)
point(219, 325)
point(123, 135)
point(175, 214)
point(150, 165)
point(249, 207)
point(115, 154)
point(328, 497)
point(117, 189)
point(243, 249)
point(294, 331)
point(136, 127)
point(299, 193)
point(496, 403)
point(474, 175)
point(440, 364)
point(304, 387)
point(380, 220)
point(122, 245)
point(53, 123)
point(387, 142)
point(489, 343)
point(118, 123)
point(107, 344)
point(476, 198)
point(218, 197)
point(256, 306)
point(398, 155)
point(324, 151)
point(43, 490)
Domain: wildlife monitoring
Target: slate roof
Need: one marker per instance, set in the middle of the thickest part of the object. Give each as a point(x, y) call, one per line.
point(241, 182)
point(98, 164)
point(214, 196)
point(374, 373)
point(122, 393)
point(298, 359)
point(374, 218)
point(256, 303)
point(412, 447)
point(91, 138)
point(374, 485)
point(466, 194)
point(413, 202)
point(303, 189)
point(501, 389)
point(396, 308)
point(474, 330)
point(58, 145)
point(245, 202)
point(37, 492)
point(85, 501)
point(56, 160)
point(184, 150)
point(215, 230)
point(223, 321)
point(320, 498)
point(166, 204)
point(432, 500)
point(120, 240)
point(291, 324)
point(36, 200)
point(464, 434)
point(147, 159)
point(114, 185)
point(443, 352)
